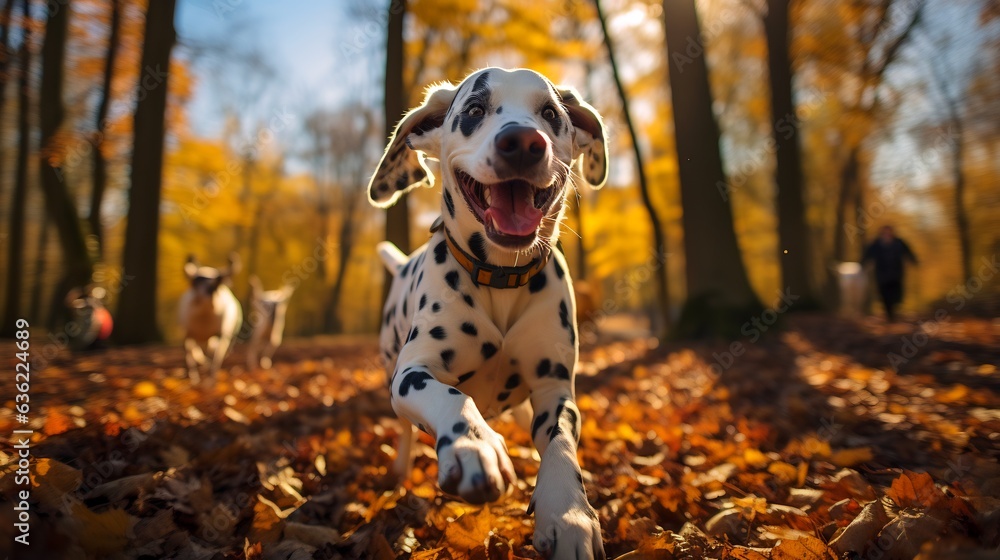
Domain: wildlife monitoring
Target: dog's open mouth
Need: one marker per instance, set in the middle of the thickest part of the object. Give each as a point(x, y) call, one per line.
point(510, 210)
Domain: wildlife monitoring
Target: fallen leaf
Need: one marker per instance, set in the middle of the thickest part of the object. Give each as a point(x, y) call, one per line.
point(861, 532)
point(851, 457)
point(469, 530)
point(103, 534)
point(806, 548)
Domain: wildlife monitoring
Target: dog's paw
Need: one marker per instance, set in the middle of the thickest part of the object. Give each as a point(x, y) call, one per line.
point(575, 533)
point(565, 524)
point(473, 463)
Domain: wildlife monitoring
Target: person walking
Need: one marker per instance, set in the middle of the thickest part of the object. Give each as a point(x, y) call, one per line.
point(888, 253)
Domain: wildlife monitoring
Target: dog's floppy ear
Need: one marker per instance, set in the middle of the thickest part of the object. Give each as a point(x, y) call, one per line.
point(418, 134)
point(190, 268)
point(589, 137)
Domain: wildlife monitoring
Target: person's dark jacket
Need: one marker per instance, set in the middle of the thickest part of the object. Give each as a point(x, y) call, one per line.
point(888, 257)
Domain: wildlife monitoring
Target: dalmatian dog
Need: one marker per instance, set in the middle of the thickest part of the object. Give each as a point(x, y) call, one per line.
point(210, 315)
point(482, 317)
point(267, 309)
point(852, 284)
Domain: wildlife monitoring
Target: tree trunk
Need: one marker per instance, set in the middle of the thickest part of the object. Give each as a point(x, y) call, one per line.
point(6, 54)
point(793, 231)
point(659, 238)
point(961, 216)
point(844, 233)
point(397, 217)
point(100, 164)
point(35, 311)
point(137, 302)
point(720, 298)
point(15, 244)
point(78, 268)
point(343, 261)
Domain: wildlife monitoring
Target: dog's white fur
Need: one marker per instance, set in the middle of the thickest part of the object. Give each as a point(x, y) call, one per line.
point(852, 283)
point(210, 315)
point(461, 353)
point(268, 309)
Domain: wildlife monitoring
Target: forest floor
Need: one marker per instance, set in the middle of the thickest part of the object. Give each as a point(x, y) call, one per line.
point(814, 443)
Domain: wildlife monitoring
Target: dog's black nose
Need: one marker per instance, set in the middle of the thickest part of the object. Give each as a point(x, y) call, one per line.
point(520, 146)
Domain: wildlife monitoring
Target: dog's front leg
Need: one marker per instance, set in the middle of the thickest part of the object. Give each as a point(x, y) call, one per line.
point(472, 458)
point(565, 524)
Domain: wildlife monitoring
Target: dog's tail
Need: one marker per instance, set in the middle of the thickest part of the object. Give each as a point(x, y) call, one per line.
point(392, 257)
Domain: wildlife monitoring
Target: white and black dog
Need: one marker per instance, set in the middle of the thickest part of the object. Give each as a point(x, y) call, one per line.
point(482, 318)
point(210, 315)
point(267, 312)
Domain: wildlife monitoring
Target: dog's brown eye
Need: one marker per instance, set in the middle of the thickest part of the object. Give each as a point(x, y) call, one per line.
point(548, 113)
point(475, 111)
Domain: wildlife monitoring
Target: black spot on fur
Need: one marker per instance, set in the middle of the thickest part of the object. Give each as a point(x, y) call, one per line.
point(438, 333)
point(453, 391)
point(478, 96)
point(423, 302)
point(465, 377)
point(469, 125)
point(488, 350)
point(459, 428)
point(569, 413)
point(435, 307)
point(440, 252)
point(539, 420)
point(561, 371)
point(477, 243)
point(537, 283)
point(566, 323)
point(449, 202)
point(413, 334)
point(513, 381)
point(417, 380)
point(481, 83)
point(420, 278)
point(544, 368)
point(447, 356)
point(559, 271)
point(503, 396)
point(443, 441)
point(500, 109)
point(382, 187)
point(469, 329)
point(404, 306)
point(406, 269)
point(419, 174)
point(390, 314)
point(452, 279)
point(402, 181)
point(468, 300)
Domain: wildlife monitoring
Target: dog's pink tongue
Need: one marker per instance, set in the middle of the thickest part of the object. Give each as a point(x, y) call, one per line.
point(512, 208)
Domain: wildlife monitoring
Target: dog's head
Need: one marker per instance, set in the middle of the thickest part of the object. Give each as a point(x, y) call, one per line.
point(507, 145)
point(205, 280)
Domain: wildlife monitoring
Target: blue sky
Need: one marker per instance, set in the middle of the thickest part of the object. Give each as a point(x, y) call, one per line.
point(322, 53)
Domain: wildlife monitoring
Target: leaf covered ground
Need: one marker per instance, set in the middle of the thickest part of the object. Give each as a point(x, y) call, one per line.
point(833, 439)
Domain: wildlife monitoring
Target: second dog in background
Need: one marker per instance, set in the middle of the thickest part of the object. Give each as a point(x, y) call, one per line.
point(267, 309)
point(210, 315)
